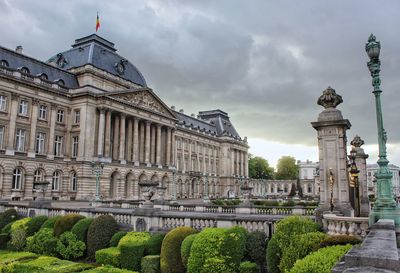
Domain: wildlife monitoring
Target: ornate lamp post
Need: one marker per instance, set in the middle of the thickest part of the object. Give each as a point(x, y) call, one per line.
point(385, 206)
point(97, 170)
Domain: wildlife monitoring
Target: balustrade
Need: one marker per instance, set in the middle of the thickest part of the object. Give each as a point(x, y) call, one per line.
point(341, 225)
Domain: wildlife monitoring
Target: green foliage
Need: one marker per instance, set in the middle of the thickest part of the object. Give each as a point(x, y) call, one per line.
point(248, 267)
point(260, 169)
point(170, 258)
point(273, 255)
point(8, 216)
point(69, 247)
point(185, 248)
point(132, 247)
point(20, 224)
point(287, 168)
point(4, 238)
point(50, 222)
point(256, 245)
point(99, 233)
point(108, 269)
point(153, 246)
point(116, 238)
point(226, 202)
point(110, 256)
point(43, 242)
point(80, 229)
point(300, 247)
point(35, 224)
point(150, 264)
point(65, 223)
point(7, 228)
point(292, 190)
point(321, 261)
point(340, 240)
point(18, 234)
point(216, 265)
point(10, 256)
point(220, 243)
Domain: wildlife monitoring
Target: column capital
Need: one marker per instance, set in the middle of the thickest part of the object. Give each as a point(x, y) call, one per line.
point(35, 101)
point(102, 109)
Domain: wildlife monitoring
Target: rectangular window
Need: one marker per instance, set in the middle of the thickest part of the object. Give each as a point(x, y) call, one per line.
point(75, 146)
point(60, 116)
point(20, 140)
point(3, 103)
point(1, 136)
point(23, 108)
point(58, 144)
point(40, 141)
point(43, 112)
point(77, 117)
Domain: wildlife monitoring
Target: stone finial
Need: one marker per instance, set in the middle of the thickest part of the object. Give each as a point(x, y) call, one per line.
point(357, 141)
point(329, 98)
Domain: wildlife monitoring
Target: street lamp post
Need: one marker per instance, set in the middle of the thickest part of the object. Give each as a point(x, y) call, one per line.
point(97, 170)
point(385, 206)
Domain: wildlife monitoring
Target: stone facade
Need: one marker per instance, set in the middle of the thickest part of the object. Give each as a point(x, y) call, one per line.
point(372, 168)
point(90, 104)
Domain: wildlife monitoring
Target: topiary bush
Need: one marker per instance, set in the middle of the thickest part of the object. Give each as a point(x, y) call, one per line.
point(7, 217)
point(65, 223)
point(99, 233)
point(46, 264)
point(273, 256)
point(69, 247)
point(153, 246)
point(132, 247)
point(116, 238)
point(49, 223)
point(7, 228)
point(18, 234)
point(248, 267)
point(321, 261)
point(300, 247)
point(35, 224)
point(110, 256)
point(185, 248)
point(216, 265)
point(108, 269)
point(80, 229)
point(150, 264)
point(256, 246)
point(340, 240)
point(43, 242)
point(170, 258)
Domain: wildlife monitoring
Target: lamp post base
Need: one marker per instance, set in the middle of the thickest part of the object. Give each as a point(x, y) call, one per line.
point(385, 213)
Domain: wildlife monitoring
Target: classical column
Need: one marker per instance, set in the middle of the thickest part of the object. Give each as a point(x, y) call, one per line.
point(107, 140)
point(153, 144)
point(242, 163)
point(246, 165)
point(173, 148)
point(184, 167)
point(122, 140)
point(210, 151)
point(32, 134)
point(233, 161)
point(142, 142)
point(158, 150)
point(147, 145)
point(237, 155)
point(215, 152)
point(115, 138)
point(168, 157)
point(204, 158)
point(10, 150)
point(129, 141)
point(50, 148)
point(136, 141)
point(100, 139)
point(68, 139)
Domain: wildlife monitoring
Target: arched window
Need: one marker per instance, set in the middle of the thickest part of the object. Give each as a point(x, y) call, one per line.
point(61, 82)
point(55, 184)
point(38, 176)
point(43, 76)
point(74, 181)
point(4, 63)
point(24, 70)
point(17, 179)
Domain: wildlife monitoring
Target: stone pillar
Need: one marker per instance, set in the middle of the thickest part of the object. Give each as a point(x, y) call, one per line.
point(129, 141)
point(233, 161)
point(190, 156)
point(238, 162)
point(246, 165)
point(50, 148)
point(158, 150)
point(183, 155)
point(173, 148)
point(100, 139)
point(142, 142)
point(122, 140)
point(136, 141)
point(168, 156)
point(32, 134)
point(10, 149)
point(147, 145)
point(209, 152)
point(331, 129)
point(107, 141)
point(152, 144)
point(115, 138)
point(215, 154)
point(205, 149)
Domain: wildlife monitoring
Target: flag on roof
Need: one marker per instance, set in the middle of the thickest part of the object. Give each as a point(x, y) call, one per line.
point(97, 22)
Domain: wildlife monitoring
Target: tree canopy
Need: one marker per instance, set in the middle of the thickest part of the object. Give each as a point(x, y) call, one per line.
point(260, 169)
point(287, 168)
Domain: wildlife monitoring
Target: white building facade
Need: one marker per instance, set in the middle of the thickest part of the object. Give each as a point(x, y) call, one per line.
point(373, 168)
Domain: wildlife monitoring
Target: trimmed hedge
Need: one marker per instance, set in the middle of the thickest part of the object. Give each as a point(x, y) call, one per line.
point(99, 233)
point(116, 238)
point(300, 247)
point(150, 264)
point(50, 222)
point(321, 261)
point(256, 246)
point(216, 265)
point(132, 247)
point(170, 258)
point(7, 228)
point(185, 248)
point(43, 242)
point(153, 246)
point(65, 223)
point(273, 256)
point(69, 247)
point(110, 256)
point(340, 240)
point(108, 269)
point(7, 217)
point(10, 256)
point(248, 267)
point(35, 224)
point(18, 234)
point(80, 229)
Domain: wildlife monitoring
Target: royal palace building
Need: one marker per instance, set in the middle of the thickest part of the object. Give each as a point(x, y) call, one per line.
point(89, 104)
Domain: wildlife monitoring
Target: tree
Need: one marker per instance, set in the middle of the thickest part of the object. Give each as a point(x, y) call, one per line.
point(260, 169)
point(287, 168)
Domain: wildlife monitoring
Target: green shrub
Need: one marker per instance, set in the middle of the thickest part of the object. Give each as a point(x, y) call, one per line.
point(110, 256)
point(116, 238)
point(321, 261)
point(248, 267)
point(7, 228)
point(43, 242)
point(273, 256)
point(153, 246)
point(18, 234)
point(300, 247)
point(340, 240)
point(185, 248)
point(150, 264)
point(216, 265)
point(65, 223)
point(7, 217)
point(69, 247)
point(99, 233)
point(46, 264)
point(170, 258)
point(4, 238)
point(49, 223)
point(256, 246)
point(35, 224)
point(10, 256)
point(132, 247)
point(80, 229)
point(108, 269)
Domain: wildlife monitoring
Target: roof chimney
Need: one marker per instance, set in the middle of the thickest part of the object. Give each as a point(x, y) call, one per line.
point(173, 107)
point(181, 111)
point(18, 49)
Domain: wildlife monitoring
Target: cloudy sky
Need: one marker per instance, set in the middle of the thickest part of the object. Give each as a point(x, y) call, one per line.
point(263, 62)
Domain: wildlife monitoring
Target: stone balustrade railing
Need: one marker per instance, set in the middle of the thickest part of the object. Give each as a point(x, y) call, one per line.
point(341, 225)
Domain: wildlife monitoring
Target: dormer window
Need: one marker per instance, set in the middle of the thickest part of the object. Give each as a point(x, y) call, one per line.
point(61, 82)
point(24, 70)
point(4, 63)
point(43, 76)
